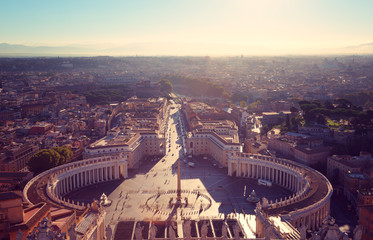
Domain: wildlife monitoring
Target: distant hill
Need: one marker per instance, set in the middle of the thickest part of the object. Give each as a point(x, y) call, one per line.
point(169, 49)
point(13, 50)
point(360, 49)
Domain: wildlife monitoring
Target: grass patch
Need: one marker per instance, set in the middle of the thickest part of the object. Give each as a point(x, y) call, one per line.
point(333, 125)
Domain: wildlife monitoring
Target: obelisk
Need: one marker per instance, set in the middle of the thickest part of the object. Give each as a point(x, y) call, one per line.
point(178, 182)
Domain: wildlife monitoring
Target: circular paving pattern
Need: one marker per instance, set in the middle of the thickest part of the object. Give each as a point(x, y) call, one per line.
point(192, 202)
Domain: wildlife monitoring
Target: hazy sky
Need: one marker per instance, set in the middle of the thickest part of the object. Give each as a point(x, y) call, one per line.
point(280, 25)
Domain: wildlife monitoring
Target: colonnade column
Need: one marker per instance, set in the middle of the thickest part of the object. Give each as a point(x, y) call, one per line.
point(238, 171)
point(287, 180)
point(74, 182)
point(58, 189)
point(256, 171)
point(229, 169)
point(292, 182)
point(64, 186)
point(70, 184)
point(126, 170)
point(90, 174)
point(261, 172)
point(67, 185)
point(115, 172)
point(277, 176)
point(87, 177)
point(272, 174)
point(82, 179)
point(94, 176)
point(61, 188)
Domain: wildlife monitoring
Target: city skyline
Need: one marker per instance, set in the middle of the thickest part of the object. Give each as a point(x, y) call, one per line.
point(191, 27)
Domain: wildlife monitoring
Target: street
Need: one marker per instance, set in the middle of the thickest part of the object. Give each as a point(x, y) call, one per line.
point(149, 190)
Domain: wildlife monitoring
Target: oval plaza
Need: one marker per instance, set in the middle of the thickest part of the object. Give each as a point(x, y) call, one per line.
point(286, 217)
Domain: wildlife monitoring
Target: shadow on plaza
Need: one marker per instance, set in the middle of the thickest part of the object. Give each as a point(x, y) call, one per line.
point(230, 192)
point(93, 192)
point(213, 179)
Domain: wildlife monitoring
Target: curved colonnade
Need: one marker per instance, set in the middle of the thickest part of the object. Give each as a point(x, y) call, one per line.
point(308, 205)
point(69, 177)
point(310, 202)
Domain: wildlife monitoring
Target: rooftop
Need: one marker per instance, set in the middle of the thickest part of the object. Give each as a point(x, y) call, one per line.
point(9, 196)
point(86, 222)
point(366, 192)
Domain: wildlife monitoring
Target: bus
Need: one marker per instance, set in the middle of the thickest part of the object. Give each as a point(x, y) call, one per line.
point(264, 182)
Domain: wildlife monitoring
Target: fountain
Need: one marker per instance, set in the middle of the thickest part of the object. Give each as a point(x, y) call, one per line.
point(252, 198)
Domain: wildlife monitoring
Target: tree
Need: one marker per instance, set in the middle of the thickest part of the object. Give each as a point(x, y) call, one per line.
point(294, 124)
point(49, 158)
point(320, 119)
point(307, 107)
point(317, 103)
point(309, 117)
point(288, 125)
point(166, 86)
point(65, 153)
point(343, 103)
point(264, 130)
point(243, 104)
point(43, 160)
point(294, 110)
point(328, 104)
point(303, 102)
point(108, 112)
point(238, 97)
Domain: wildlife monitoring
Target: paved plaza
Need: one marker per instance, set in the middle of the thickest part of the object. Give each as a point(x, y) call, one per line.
point(149, 193)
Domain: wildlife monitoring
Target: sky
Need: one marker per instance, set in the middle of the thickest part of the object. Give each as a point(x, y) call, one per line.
point(187, 27)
